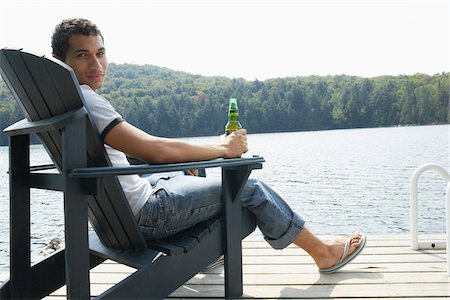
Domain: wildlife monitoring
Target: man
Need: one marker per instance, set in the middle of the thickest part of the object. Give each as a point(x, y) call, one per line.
point(167, 203)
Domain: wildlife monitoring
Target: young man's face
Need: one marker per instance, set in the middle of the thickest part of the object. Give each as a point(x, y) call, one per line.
point(86, 56)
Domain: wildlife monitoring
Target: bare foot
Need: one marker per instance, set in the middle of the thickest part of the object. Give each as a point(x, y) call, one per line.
point(335, 250)
point(326, 253)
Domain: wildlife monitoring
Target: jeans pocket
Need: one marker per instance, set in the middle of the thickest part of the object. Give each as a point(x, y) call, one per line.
point(154, 215)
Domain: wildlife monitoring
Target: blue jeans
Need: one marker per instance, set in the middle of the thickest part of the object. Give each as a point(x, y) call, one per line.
point(181, 201)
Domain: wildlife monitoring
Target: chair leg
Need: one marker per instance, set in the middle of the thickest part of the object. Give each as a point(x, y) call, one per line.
point(233, 180)
point(20, 257)
point(75, 214)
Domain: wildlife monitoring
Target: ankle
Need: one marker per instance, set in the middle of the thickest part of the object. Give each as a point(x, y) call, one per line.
point(325, 256)
point(320, 251)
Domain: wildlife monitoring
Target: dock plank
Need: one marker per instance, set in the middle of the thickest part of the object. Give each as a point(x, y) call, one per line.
point(320, 291)
point(386, 269)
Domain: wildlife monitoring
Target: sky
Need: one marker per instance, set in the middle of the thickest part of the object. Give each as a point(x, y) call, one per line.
point(251, 39)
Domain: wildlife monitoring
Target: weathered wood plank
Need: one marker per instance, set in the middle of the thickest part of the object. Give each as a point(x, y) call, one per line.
point(299, 278)
point(321, 291)
point(307, 291)
point(281, 259)
point(373, 259)
point(387, 269)
point(305, 269)
point(260, 251)
point(384, 241)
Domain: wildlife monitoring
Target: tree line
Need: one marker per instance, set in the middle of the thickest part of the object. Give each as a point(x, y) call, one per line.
point(178, 104)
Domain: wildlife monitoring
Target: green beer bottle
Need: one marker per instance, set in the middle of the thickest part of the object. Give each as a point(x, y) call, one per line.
point(233, 117)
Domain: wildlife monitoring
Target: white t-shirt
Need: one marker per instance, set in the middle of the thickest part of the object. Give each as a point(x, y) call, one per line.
point(105, 117)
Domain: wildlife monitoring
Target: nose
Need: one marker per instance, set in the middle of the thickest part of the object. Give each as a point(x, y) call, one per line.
point(95, 64)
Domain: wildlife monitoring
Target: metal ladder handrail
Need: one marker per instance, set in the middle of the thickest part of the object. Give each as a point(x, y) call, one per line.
point(415, 244)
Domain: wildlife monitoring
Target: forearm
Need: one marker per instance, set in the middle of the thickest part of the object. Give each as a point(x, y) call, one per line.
point(172, 150)
point(136, 143)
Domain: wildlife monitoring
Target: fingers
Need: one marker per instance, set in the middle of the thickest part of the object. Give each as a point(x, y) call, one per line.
point(191, 172)
point(241, 133)
point(237, 142)
point(244, 141)
point(241, 136)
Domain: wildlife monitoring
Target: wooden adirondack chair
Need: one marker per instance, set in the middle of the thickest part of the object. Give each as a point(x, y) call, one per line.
point(48, 93)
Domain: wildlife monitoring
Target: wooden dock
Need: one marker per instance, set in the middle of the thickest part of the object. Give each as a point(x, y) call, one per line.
point(387, 268)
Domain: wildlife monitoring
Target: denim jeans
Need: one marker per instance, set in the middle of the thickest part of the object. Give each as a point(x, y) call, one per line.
point(181, 201)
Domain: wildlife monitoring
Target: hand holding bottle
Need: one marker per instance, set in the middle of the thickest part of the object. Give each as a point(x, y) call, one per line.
point(235, 143)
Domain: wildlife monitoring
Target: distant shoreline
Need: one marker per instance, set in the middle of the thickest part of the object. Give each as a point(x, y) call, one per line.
point(35, 141)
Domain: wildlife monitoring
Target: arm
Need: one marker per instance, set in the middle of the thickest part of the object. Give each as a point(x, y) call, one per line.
point(137, 143)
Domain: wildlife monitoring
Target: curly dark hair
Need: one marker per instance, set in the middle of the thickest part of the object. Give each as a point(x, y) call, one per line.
point(67, 28)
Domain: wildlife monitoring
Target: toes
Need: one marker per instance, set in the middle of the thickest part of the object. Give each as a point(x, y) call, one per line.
point(355, 241)
point(356, 238)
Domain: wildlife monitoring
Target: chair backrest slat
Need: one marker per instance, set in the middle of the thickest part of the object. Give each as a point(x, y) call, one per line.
point(45, 87)
point(25, 89)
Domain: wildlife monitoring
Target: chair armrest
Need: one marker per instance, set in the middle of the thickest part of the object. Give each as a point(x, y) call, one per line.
point(251, 163)
point(50, 124)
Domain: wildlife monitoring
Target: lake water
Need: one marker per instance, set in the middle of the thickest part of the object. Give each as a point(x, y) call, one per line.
point(338, 180)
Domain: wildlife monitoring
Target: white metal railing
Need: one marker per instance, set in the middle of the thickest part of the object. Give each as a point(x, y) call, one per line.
point(415, 244)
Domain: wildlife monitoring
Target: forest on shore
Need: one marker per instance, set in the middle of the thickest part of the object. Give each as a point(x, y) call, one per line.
point(171, 103)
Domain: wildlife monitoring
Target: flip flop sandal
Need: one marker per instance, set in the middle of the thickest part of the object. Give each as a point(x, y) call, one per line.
point(345, 259)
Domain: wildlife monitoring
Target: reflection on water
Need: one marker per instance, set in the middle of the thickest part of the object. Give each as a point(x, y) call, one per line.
point(338, 180)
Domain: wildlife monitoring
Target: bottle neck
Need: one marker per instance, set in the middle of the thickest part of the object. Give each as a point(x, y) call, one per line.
point(233, 116)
